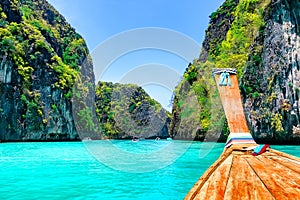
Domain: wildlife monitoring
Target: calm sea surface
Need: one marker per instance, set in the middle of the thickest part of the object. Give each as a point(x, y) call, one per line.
point(74, 170)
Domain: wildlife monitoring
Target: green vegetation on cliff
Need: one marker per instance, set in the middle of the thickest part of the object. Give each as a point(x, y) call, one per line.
point(232, 30)
point(127, 110)
point(41, 56)
point(235, 49)
point(260, 39)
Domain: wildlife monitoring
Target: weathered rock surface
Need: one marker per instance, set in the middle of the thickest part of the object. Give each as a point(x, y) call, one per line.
point(273, 113)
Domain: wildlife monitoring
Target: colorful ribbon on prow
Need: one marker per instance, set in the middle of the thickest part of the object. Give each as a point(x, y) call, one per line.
point(225, 79)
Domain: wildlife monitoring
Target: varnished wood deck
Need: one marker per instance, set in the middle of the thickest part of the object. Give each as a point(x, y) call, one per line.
point(239, 175)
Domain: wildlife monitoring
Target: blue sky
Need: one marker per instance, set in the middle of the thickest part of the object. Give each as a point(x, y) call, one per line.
point(100, 22)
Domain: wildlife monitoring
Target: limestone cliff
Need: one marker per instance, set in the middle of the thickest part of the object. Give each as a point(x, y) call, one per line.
point(261, 39)
point(126, 110)
point(41, 58)
point(270, 83)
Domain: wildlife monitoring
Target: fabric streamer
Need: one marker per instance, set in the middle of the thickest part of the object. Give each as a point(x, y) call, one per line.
point(260, 149)
point(225, 79)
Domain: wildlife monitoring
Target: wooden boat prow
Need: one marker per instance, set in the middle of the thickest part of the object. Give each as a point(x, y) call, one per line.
point(237, 174)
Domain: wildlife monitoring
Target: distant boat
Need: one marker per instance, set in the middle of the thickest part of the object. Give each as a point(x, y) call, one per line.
point(135, 139)
point(86, 139)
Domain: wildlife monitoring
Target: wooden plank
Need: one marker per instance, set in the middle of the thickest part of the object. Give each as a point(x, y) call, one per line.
point(291, 175)
point(232, 104)
point(279, 153)
point(291, 164)
point(202, 180)
point(215, 186)
point(280, 181)
point(243, 182)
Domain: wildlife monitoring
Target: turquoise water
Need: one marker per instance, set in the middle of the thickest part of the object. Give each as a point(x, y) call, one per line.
point(70, 171)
